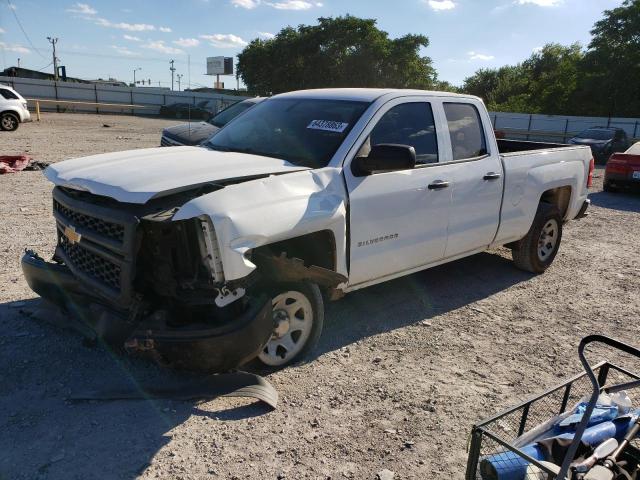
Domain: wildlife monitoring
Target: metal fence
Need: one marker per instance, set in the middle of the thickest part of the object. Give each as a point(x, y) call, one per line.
point(557, 128)
point(148, 97)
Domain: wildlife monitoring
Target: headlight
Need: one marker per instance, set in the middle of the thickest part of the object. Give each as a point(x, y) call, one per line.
point(211, 251)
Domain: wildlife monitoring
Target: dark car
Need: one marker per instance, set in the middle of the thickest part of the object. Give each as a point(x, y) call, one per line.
point(186, 110)
point(603, 141)
point(196, 133)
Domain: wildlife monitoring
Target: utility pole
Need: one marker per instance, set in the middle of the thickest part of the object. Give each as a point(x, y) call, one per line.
point(173, 69)
point(134, 75)
point(179, 75)
point(53, 42)
point(18, 62)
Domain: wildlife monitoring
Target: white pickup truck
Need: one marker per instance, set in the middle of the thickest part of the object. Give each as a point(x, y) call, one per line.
point(207, 257)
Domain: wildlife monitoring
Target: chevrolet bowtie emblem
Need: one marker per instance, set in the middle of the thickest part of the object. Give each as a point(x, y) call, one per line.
point(71, 234)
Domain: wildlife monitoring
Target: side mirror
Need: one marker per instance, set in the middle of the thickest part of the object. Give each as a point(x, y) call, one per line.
point(385, 157)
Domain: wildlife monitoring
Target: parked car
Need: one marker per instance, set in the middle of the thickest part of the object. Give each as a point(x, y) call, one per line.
point(186, 110)
point(13, 109)
point(603, 141)
point(196, 133)
point(623, 169)
point(208, 257)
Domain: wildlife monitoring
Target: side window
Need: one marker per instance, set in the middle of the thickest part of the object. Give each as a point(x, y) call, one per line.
point(407, 124)
point(465, 129)
point(8, 94)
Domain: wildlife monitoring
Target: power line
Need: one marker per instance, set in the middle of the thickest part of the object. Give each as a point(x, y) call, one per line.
point(12, 8)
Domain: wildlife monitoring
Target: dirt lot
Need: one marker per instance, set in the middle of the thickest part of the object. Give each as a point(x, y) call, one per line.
point(402, 371)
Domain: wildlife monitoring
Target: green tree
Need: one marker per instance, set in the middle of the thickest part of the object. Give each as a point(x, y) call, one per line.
point(544, 83)
point(611, 67)
point(337, 52)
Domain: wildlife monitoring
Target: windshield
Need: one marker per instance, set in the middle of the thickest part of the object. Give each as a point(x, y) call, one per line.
point(596, 134)
point(225, 116)
point(634, 149)
point(305, 132)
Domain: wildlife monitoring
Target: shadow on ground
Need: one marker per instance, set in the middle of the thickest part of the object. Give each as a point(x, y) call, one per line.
point(625, 201)
point(45, 436)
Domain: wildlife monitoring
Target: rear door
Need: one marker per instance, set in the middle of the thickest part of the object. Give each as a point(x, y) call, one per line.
point(398, 220)
point(477, 178)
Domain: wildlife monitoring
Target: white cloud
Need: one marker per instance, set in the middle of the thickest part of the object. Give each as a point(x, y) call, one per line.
point(480, 56)
point(540, 3)
point(294, 5)
point(187, 42)
point(131, 38)
point(266, 35)
point(124, 51)
point(82, 9)
point(13, 47)
point(221, 40)
point(2, 30)
point(165, 29)
point(159, 46)
point(248, 4)
point(439, 5)
point(132, 27)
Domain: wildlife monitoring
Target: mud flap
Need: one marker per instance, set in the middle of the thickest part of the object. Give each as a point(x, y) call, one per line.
point(236, 384)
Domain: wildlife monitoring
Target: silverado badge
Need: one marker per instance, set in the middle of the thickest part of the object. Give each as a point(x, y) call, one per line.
point(71, 234)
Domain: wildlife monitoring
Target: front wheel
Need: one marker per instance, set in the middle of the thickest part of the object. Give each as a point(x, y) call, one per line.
point(536, 251)
point(298, 317)
point(9, 122)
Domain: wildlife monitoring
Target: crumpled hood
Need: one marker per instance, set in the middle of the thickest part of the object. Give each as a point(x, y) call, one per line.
point(137, 176)
point(191, 134)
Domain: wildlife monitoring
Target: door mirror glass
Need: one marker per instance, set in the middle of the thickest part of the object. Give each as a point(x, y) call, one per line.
point(385, 157)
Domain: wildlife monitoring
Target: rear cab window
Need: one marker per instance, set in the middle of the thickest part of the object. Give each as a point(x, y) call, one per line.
point(467, 135)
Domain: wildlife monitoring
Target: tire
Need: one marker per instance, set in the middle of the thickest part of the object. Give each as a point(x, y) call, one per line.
point(536, 251)
point(288, 343)
point(9, 122)
point(607, 187)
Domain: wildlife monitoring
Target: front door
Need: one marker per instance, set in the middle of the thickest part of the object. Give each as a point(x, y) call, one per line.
point(398, 220)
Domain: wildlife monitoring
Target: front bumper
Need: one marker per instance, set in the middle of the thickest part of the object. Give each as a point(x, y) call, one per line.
point(203, 347)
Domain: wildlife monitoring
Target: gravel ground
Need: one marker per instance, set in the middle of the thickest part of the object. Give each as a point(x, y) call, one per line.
point(402, 371)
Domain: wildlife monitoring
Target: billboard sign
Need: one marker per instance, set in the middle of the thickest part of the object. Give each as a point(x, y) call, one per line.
point(219, 65)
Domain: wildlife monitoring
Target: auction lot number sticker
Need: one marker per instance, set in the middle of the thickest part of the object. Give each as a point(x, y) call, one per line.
point(328, 125)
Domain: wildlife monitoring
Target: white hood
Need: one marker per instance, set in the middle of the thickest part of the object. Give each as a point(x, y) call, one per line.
point(136, 176)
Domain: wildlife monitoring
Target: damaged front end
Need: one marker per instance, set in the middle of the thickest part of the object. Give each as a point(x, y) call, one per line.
point(132, 276)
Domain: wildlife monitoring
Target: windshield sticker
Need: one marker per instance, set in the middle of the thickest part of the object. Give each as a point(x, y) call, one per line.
point(328, 125)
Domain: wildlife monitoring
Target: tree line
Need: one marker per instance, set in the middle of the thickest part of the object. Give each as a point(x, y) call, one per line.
point(602, 79)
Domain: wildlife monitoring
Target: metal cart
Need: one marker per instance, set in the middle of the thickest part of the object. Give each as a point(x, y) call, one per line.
point(496, 437)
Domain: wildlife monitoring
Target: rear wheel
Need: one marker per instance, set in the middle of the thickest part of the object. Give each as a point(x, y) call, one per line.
point(537, 250)
point(9, 121)
point(607, 187)
point(298, 317)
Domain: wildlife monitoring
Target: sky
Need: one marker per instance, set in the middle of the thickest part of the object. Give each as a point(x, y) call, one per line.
point(112, 38)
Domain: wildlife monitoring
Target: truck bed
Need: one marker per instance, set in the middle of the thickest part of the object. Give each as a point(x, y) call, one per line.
point(512, 146)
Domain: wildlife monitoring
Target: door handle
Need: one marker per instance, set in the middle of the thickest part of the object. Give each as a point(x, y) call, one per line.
point(492, 176)
point(438, 185)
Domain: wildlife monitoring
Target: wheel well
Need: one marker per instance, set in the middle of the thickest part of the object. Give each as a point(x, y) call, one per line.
point(11, 112)
point(560, 197)
point(318, 248)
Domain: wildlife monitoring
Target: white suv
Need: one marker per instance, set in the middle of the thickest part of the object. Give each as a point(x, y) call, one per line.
point(13, 109)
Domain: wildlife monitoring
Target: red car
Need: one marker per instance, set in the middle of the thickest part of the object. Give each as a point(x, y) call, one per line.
point(623, 169)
